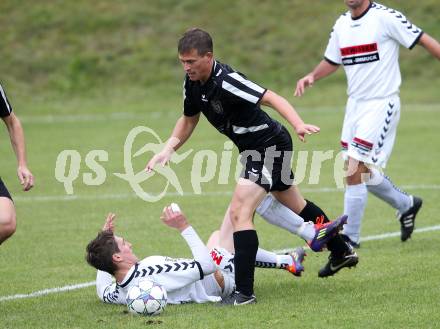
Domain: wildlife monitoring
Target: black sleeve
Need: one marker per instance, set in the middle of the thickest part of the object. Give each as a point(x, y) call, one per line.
point(5, 107)
point(188, 107)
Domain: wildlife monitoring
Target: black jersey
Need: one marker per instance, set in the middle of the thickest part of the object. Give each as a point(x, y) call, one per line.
point(231, 103)
point(5, 107)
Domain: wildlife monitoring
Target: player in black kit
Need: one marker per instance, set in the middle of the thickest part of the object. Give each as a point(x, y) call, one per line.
point(231, 103)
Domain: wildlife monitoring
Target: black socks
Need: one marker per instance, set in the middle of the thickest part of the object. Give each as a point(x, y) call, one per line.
point(246, 246)
point(312, 212)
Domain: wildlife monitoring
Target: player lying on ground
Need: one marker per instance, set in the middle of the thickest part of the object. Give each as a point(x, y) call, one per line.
point(185, 280)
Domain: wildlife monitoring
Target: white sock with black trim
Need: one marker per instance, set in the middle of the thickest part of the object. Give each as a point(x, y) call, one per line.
point(383, 188)
point(279, 215)
point(355, 199)
point(269, 259)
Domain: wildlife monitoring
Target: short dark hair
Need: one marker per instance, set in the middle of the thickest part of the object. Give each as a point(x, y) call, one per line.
point(195, 38)
point(100, 252)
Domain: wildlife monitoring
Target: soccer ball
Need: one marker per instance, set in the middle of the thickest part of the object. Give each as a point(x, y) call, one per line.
point(146, 298)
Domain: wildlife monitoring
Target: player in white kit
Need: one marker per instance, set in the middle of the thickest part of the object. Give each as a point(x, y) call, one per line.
point(366, 40)
point(208, 277)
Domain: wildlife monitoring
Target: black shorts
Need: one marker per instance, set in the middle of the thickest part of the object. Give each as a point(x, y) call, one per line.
point(271, 166)
point(4, 191)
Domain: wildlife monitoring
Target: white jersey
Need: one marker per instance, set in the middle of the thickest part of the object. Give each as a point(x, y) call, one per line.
point(368, 47)
point(183, 280)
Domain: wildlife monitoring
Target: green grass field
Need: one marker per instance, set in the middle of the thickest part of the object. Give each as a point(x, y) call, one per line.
point(395, 284)
point(82, 74)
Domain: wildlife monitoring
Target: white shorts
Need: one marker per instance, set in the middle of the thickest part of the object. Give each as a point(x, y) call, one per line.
point(369, 129)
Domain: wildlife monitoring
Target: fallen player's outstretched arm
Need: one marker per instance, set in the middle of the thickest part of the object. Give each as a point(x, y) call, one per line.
point(173, 217)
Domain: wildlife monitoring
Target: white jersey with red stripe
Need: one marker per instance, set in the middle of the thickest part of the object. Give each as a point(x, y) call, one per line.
point(368, 48)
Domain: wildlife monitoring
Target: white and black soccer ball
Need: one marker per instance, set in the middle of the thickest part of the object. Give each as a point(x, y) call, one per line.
point(146, 298)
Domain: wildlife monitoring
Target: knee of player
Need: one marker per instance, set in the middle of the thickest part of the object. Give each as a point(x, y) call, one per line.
point(11, 227)
point(355, 178)
point(357, 172)
point(8, 219)
point(376, 177)
point(8, 224)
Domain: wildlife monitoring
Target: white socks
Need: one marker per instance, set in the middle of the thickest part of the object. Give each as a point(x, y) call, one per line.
point(277, 214)
point(381, 186)
point(355, 199)
point(270, 259)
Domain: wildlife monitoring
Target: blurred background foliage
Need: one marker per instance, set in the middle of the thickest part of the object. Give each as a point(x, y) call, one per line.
point(65, 50)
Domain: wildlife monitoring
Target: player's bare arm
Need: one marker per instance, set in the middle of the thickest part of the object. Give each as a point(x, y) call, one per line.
point(183, 129)
point(16, 135)
point(430, 44)
point(282, 106)
point(323, 69)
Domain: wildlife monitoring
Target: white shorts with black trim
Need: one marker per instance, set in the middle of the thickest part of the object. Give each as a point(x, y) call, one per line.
point(369, 129)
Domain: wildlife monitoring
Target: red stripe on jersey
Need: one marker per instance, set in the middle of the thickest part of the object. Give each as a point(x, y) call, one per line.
point(361, 49)
point(362, 142)
point(344, 145)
